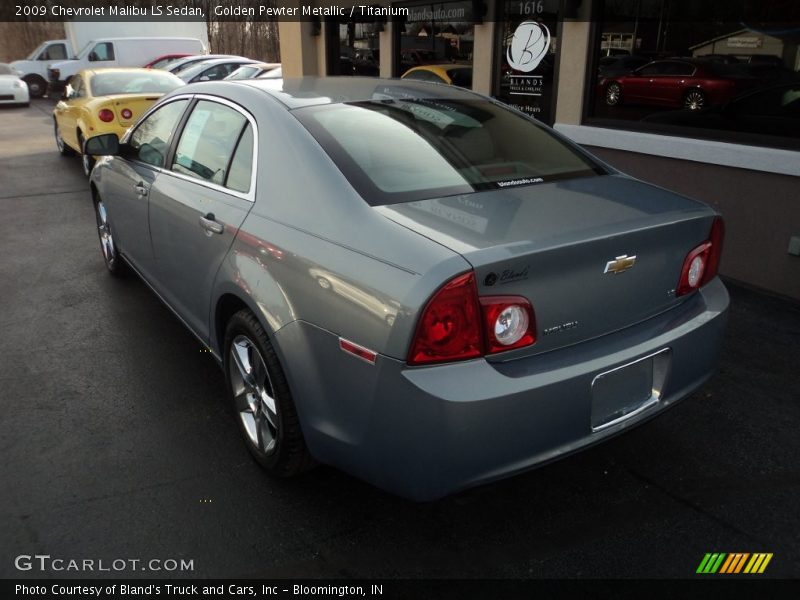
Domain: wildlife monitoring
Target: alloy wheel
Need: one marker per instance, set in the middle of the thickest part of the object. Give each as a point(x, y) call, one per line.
point(613, 94)
point(104, 231)
point(695, 100)
point(253, 395)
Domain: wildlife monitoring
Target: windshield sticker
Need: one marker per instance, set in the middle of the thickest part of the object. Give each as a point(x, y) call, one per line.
point(523, 181)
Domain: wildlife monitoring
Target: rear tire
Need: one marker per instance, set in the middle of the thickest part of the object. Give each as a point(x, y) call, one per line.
point(259, 395)
point(63, 149)
point(37, 86)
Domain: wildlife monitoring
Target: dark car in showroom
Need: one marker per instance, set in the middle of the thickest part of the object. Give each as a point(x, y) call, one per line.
point(774, 110)
point(411, 282)
point(675, 83)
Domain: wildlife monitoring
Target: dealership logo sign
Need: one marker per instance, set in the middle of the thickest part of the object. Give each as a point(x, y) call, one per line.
point(528, 47)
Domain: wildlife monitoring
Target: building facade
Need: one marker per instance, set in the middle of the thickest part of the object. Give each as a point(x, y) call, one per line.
point(701, 98)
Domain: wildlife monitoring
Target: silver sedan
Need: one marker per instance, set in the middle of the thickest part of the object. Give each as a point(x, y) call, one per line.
point(411, 282)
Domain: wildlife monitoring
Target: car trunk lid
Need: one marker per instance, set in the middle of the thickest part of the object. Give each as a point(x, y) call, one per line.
point(137, 104)
point(593, 255)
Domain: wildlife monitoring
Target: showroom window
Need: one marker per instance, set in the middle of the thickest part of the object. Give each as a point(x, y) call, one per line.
point(353, 46)
point(436, 39)
point(717, 70)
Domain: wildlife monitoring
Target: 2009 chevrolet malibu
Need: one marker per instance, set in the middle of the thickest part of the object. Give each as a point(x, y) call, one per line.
point(411, 282)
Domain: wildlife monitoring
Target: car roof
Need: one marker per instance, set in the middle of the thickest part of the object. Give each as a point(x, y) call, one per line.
point(444, 67)
point(315, 91)
point(216, 61)
point(202, 57)
point(143, 70)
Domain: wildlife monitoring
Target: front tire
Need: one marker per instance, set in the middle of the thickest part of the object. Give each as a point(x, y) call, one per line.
point(87, 160)
point(613, 94)
point(37, 86)
point(259, 395)
point(114, 263)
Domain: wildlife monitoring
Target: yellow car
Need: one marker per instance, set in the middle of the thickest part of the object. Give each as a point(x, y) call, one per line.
point(450, 73)
point(106, 101)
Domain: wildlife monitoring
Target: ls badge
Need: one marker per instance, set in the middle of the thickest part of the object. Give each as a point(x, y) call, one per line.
point(620, 264)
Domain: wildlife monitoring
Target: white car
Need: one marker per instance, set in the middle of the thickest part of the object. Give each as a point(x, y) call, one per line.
point(12, 89)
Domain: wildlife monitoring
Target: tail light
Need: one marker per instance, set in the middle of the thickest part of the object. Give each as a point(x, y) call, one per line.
point(106, 115)
point(456, 324)
point(702, 263)
point(126, 113)
point(449, 328)
point(508, 323)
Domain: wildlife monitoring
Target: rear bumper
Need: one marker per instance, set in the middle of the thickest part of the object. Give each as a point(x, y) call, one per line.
point(15, 95)
point(426, 432)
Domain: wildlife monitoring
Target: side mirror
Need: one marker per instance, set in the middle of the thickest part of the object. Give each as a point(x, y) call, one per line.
point(204, 78)
point(93, 56)
point(68, 92)
point(102, 145)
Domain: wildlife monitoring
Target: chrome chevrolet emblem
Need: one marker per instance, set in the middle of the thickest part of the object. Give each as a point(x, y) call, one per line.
point(620, 264)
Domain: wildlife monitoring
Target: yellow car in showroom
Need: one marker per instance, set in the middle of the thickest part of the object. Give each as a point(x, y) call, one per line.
point(450, 74)
point(98, 101)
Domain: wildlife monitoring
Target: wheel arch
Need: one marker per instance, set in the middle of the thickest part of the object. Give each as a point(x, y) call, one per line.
point(228, 303)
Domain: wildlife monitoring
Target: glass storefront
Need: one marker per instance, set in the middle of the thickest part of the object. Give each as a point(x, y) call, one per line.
point(353, 47)
point(720, 70)
point(435, 42)
point(526, 56)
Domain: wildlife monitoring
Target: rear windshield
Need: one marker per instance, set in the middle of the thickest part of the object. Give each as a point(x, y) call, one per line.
point(407, 149)
point(139, 82)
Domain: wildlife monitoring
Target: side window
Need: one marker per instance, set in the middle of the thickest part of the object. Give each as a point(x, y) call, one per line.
point(56, 52)
point(76, 87)
point(102, 51)
point(242, 163)
point(653, 69)
point(683, 69)
point(218, 72)
point(208, 141)
point(150, 141)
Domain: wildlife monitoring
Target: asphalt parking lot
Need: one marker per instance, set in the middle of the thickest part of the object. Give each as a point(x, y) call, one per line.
point(115, 442)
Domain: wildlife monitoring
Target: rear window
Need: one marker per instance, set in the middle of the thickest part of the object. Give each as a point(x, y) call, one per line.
point(138, 82)
point(406, 149)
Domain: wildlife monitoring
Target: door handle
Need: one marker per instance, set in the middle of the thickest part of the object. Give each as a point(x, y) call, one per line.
point(141, 189)
point(210, 224)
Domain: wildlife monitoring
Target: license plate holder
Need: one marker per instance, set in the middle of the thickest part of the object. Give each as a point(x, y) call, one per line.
point(628, 390)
